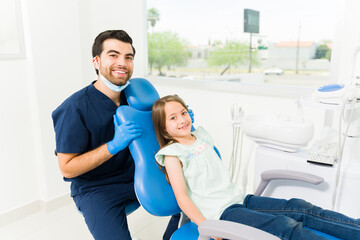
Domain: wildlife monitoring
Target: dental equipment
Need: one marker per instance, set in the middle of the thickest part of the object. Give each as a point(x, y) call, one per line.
point(237, 116)
point(338, 148)
point(279, 132)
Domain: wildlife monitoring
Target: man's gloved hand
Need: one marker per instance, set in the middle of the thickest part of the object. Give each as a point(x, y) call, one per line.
point(124, 134)
point(191, 113)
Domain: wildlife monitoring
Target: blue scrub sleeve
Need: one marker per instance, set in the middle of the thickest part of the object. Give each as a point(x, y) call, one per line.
point(72, 135)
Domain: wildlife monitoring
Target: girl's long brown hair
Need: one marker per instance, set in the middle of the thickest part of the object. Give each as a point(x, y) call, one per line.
point(159, 121)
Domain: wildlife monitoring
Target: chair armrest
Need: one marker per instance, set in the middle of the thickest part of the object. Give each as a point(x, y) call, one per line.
point(231, 230)
point(269, 175)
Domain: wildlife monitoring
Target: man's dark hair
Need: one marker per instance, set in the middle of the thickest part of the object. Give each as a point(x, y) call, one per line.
point(120, 35)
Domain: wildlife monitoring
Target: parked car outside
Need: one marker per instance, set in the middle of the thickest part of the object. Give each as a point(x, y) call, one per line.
point(273, 71)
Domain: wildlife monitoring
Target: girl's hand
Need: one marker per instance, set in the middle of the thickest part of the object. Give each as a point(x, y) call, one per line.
point(215, 238)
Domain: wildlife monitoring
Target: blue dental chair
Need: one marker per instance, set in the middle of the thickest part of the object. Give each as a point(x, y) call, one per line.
point(153, 191)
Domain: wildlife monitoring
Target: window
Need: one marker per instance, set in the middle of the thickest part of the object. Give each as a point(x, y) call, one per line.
point(11, 33)
point(205, 40)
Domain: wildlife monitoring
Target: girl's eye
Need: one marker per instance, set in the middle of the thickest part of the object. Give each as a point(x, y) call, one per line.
point(184, 112)
point(172, 118)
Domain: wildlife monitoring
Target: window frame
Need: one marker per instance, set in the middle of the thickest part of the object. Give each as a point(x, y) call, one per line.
point(18, 24)
point(263, 89)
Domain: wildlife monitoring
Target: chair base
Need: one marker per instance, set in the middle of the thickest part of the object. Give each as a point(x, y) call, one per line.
point(188, 231)
point(131, 206)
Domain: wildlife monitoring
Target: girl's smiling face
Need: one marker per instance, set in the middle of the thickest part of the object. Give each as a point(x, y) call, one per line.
point(178, 121)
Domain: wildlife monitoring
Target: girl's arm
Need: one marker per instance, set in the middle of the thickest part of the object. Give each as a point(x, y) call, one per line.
point(176, 178)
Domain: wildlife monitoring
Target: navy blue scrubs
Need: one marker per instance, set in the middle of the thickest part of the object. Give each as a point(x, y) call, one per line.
point(84, 122)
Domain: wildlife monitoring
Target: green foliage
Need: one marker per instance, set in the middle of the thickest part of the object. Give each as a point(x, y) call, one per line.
point(153, 16)
point(322, 52)
point(233, 53)
point(328, 55)
point(166, 49)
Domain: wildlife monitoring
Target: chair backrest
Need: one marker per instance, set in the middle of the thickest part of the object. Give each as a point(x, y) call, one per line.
point(151, 187)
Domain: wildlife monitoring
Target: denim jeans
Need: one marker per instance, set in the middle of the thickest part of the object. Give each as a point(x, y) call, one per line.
point(286, 218)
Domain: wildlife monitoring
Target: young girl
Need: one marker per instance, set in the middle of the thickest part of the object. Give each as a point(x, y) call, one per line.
point(203, 188)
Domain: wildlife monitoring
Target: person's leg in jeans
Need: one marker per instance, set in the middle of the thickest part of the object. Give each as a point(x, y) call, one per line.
point(172, 226)
point(330, 222)
point(281, 226)
point(104, 212)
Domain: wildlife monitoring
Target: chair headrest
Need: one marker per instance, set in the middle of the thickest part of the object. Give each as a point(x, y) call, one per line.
point(141, 94)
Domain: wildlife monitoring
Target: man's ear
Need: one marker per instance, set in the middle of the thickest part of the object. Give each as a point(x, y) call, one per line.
point(96, 62)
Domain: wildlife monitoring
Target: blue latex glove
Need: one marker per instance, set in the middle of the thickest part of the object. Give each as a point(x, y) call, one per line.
point(191, 113)
point(124, 134)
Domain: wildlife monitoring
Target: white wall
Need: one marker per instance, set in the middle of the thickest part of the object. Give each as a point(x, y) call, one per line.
point(346, 41)
point(58, 38)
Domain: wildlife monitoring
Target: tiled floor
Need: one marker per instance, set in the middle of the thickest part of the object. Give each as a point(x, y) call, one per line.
point(67, 223)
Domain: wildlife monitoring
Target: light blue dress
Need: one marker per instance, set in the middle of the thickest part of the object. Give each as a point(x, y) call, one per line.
point(207, 180)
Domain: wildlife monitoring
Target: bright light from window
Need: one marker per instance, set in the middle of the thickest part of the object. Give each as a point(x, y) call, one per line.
point(206, 40)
